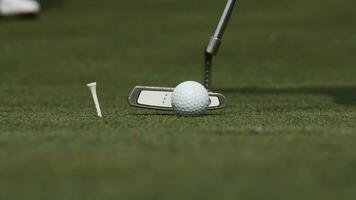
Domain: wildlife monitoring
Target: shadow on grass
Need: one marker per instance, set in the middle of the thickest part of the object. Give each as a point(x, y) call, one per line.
point(46, 4)
point(169, 113)
point(152, 114)
point(345, 95)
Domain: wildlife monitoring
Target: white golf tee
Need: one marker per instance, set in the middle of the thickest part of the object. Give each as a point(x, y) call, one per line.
point(92, 88)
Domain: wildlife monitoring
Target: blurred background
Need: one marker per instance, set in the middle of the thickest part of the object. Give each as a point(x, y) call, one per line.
point(161, 42)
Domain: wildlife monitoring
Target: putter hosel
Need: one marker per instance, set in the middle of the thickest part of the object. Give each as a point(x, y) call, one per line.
point(215, 42)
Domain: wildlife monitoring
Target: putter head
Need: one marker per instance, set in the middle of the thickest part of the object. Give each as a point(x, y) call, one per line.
point(159, 98)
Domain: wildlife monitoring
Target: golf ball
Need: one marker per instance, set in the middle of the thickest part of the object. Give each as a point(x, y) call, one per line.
point(190, 98)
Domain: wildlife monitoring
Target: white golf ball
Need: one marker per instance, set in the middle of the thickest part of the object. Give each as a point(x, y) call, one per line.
point(190, 98)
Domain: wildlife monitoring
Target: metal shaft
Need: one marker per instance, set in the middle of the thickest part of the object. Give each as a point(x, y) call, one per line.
point(224, 19)
point(215, 41)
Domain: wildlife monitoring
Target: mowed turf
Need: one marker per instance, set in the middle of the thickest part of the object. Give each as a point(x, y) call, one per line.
point(287, 68)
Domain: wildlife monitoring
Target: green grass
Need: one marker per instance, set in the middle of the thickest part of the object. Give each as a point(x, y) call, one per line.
point(286, 67)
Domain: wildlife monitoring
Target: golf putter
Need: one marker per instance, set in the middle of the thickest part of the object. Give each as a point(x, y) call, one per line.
point(159, 98)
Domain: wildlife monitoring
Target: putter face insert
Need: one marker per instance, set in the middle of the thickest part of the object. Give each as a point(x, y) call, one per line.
point(159, 98)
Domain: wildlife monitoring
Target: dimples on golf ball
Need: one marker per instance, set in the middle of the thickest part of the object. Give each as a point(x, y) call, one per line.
point(190, 98)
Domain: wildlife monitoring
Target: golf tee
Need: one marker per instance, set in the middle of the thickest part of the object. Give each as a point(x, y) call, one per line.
point(92, 88)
